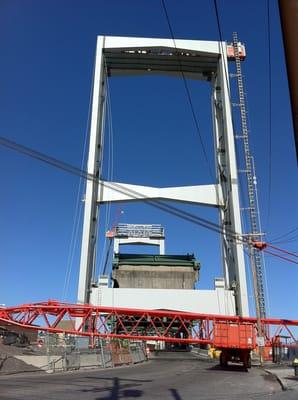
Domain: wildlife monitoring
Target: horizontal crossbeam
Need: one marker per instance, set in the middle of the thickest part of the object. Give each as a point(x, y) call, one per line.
point(210, 195)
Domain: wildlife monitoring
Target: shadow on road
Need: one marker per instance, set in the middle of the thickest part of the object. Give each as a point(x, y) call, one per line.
point(234, 368)
point(124, 388)
point(188, 359)
point(118, 390)
point(292, 378)
point(104, 378)
point(175, 394)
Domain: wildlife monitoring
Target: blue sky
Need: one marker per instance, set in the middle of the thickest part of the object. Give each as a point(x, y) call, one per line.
point(47, 51)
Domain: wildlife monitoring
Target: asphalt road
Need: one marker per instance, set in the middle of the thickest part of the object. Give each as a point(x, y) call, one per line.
point(175, 376)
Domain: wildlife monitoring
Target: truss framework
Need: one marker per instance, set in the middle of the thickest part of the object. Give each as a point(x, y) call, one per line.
point(134, 324)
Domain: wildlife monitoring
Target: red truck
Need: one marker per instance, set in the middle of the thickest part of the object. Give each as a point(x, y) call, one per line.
point(235, 340)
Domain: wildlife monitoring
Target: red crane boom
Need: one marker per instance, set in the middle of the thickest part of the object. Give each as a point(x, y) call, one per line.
point(134, 324)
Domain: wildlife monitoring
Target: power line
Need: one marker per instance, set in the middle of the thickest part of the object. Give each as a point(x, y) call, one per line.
point(289, 253)
point(171, 210)
point(280, 256)
point(45, 158)
point(289, 240)
point(281, 253)
point(118, 188)
point(188, 95)
point(245, 216)
point(157, 204)
point(217, 20)
point(284, 235)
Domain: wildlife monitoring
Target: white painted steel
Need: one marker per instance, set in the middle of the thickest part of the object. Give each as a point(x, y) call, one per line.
point(223, 195)
point(218, 301)
point(226, 165)
point(210, 195)
point(141, 241)
point(94, 167)
point(122, 42)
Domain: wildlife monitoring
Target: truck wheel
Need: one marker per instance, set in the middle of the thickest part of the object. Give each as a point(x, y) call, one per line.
point(223, 359)
point(247, 361)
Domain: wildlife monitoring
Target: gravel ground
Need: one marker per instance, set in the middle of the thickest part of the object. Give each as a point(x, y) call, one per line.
point(9, 364)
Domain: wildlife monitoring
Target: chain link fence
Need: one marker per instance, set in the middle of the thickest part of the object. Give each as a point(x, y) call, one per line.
point(64, 353)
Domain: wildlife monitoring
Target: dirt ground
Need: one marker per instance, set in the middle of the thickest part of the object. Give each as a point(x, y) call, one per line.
point(10, 364)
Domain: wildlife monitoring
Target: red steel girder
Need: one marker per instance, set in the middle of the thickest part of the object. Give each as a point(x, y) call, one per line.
point(125, 323)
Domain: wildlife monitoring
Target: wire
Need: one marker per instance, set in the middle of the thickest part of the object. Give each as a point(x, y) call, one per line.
point(175, 211)
point(255, 225)
point(158, 204)
point(230, 100)
point(282, 257)
point(172, 210)
point(121, 189)
point(245, 218)
point(290, 240)
point(260, 227)
point(107, 258)
point(265, 246)
point(282, 250)
point(217, 20)
point(250, 282)
point(45, 158)
point(284, 235)
point(106, 119)
point(270, 115)
point(241, 183)
point(110, 174)
point(188, 95)
point(78, 206)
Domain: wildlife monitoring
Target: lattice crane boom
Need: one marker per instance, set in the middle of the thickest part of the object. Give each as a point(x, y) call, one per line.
point(134, 324)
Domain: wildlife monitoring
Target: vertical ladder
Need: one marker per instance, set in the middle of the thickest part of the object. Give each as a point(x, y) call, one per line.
point(251, 180)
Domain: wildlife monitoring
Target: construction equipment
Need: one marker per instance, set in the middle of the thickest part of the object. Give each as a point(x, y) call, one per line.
point(251, 182)
point(235, 336)
point(235, 340)
point(14, 338)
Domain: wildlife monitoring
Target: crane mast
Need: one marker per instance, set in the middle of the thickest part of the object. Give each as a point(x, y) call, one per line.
point(251, 182)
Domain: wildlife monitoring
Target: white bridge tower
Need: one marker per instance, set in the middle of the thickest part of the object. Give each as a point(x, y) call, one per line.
point(201, 60)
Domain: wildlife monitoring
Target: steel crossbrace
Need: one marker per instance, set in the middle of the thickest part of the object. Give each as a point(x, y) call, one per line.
point(133, 324)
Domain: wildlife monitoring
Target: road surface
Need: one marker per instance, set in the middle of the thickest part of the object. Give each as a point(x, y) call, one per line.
point(174, 376)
